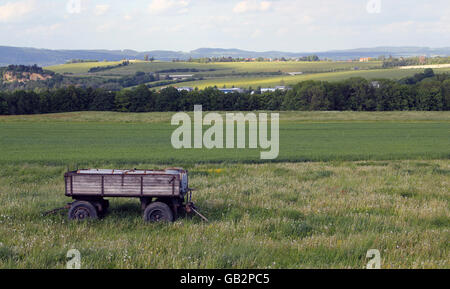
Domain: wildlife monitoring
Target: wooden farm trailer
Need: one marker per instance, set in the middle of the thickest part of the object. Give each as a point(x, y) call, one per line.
point(163, 194)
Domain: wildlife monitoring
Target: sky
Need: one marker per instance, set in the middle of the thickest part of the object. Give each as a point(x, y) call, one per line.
point(258, 25)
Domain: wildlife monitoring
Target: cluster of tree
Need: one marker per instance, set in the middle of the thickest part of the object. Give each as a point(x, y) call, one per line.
point(25, 68)
point(136, 79)
point(103, 68)
point(19, 71)
point(358, 94)
point(248, 59)
point(309, 58)
point(212, 59)
point(418, 77)
point(438, 60)
point(148, 58)
point(421, 60)
point(59, 100)
point(57, 81)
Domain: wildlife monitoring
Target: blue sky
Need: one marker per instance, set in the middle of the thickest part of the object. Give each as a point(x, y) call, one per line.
point(260, 25)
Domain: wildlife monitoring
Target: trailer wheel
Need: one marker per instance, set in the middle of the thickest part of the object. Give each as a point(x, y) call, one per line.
point(82, 210)
point(158, 212)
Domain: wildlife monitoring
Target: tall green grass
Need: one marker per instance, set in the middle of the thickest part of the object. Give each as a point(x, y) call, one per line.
point(286, 215)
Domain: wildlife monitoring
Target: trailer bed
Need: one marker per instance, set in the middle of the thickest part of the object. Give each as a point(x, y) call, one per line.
point(124, 183)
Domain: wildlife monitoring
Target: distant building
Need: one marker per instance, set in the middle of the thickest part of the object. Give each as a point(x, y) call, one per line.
point(364, 59)
point(231, 90)
point(181, 76)
point(375, 84)
point(267, 89)
point(295, 73)
point(188, 89)
point(273, 89)
point(422, 59)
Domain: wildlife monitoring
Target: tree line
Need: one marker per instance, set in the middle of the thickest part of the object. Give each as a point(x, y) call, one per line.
point(421, 60)
point(25, 68)
point(357, 94)
point(109, 67)
point(309, 58)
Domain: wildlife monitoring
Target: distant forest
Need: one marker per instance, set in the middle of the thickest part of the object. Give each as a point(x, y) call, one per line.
point(397, 62)
point(310, 58)
point(424, 91)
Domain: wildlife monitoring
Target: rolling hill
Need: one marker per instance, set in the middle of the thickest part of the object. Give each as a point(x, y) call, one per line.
point(46, 57)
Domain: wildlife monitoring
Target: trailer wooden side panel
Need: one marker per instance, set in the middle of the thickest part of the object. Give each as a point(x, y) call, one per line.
point(123, 185)
point(67, 180)
point(86, 185)
point(165, 185)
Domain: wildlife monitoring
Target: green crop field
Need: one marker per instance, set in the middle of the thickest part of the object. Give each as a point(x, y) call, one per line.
point(82, 142)
point(80, 67)
point(345, 182)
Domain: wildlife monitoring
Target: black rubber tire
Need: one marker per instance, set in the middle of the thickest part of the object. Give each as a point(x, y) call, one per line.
point(82, 210)
point(158, 212)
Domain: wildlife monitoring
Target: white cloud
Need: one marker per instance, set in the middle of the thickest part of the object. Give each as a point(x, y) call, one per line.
point(162, 6)
point(283, 31)
point(101, 9)
point(176, 28)
point(104, 27)
point(265, 5)
point(396, 27)
point(13, 10)
point(252, 6)
point(127, 17)
point(257, 33)
point(44, 30)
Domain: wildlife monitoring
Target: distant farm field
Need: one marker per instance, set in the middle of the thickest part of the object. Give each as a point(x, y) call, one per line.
point(215, 67)
point(80, 67)
point(64, 141)
point(245, 74)
point(345, 183)
point(271, 81)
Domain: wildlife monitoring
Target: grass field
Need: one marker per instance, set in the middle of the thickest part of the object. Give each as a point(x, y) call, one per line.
point(375, 181)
